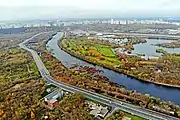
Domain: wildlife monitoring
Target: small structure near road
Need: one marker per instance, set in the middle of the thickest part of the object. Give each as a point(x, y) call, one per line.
point(52, 98)
point(97, 110)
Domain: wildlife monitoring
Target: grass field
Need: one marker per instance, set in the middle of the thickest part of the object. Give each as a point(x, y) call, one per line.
point(134, 117)
point(117, 116)
point(106, 51)
point(83, 47)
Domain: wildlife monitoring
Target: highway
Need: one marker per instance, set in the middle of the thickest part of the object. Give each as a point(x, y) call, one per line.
point(145, 113)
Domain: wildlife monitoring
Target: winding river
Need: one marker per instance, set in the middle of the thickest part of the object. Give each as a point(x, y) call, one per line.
point(164, 93)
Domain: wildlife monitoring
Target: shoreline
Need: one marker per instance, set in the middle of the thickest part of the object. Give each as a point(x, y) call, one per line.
point(113, 69)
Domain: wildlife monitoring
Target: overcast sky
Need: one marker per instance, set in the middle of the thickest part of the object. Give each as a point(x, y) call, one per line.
point(36, 9)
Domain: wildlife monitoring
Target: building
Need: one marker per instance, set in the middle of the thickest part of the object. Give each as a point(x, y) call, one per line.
point(52, 98)
point(127, 22)
point(98, 110)
point(123, 22)
point(52, 102)
point(99, 34)
point(112, 21)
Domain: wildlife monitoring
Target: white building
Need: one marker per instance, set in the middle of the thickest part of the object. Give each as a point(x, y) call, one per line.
point(123, 22)
point(112, 21)
point(98, 110)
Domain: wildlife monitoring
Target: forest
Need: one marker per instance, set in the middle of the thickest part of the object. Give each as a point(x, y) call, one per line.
point(21, 90)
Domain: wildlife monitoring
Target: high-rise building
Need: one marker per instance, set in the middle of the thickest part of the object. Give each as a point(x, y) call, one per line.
point(112, 21)
point(126, 22)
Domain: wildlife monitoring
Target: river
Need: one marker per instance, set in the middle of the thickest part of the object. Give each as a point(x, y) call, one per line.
point(164, 93)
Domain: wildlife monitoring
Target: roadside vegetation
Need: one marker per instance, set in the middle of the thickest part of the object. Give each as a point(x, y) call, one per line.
point(120, 115)
point(22, 89)
point(12, 40)
point(20, 84)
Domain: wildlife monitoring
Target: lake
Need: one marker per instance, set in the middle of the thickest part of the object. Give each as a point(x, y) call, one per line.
point(150, 50)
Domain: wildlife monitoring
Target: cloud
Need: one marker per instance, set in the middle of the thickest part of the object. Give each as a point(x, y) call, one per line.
point(30, 9)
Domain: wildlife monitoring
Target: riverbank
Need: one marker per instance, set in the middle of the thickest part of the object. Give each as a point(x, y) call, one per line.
point(136, 89)
point(113, 68)
point(175, 44)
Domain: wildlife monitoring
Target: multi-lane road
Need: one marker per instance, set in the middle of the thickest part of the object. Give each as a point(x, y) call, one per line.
point(145, 113)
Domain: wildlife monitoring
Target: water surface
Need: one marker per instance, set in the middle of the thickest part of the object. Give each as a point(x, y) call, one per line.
point(150, 50)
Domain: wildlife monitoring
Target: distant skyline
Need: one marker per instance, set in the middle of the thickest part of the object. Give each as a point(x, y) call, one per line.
point(52, 9)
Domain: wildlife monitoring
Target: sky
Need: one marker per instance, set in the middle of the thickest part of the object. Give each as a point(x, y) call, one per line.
point(44, 9)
